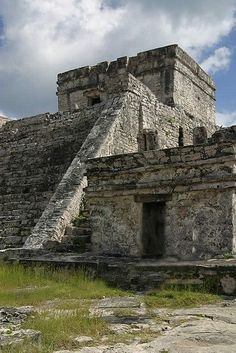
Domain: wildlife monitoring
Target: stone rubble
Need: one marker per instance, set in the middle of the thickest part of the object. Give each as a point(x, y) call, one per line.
point(11, 332)
point(205, 329)
point(208, 329)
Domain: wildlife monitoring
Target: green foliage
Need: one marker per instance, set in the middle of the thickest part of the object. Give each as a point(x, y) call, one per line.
point(62, 298)
point(171, 120)
point(79, 220)
point(125, 312)
point(176, 298)
point(228, 255)
point(58, 331)
point(211, 284)
point(35, 285)
point(25, 348)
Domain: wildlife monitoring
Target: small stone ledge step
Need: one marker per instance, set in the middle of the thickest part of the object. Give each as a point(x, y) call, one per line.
point(79, 244)
point(81, 240)
point(85, 213)
point(73, 231)
point(77, 236)
point(84, 224)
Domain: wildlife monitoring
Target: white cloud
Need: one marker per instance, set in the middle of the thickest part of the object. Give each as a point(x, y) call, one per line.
point(2, 115)
point(44, 37)
point(220, 59)
point(195, 25)
point(226, 119)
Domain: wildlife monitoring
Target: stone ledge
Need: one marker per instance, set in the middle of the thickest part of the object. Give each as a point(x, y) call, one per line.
point(140, 274)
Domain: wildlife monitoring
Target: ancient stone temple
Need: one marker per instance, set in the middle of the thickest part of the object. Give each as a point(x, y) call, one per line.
point(161, 179)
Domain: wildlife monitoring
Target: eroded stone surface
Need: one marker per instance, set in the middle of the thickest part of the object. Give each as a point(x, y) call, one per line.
point(175, 202)
point(10, 326)
point(82, 339)
point(207, 329)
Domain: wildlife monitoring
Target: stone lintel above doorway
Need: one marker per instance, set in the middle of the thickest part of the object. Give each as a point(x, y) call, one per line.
point(152, 198)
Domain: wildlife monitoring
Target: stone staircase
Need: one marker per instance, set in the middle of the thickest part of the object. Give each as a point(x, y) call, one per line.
point(35, 154)
point(77, 237)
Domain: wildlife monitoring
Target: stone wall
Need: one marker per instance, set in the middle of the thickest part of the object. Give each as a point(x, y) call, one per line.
point(193, 89)
point(234, 221)
point(115, 132)
point(34, 155)
point(65, 203)
point(157, 116)
point(43, 157)
point(196, 184)
point(174, 78)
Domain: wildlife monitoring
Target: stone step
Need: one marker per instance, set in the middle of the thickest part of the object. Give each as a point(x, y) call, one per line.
point(76, 238)
point(72, 231)
point(79, 245)
point(181, 283)
point(85, 212)
point(11, 241)
point(84, 224)
point(82, 240)
point(86, 229)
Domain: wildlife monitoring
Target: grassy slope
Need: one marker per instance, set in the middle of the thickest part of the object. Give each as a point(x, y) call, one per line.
point(62, 300)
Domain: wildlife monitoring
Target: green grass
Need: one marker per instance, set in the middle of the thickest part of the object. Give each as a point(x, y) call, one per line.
point(62, 299)
point(228, 255)
point(58, 320)
point(124, 312)
point(33, 286)
point(177, 298)
point(58, 331)
point(25, 348)
point(79, 220)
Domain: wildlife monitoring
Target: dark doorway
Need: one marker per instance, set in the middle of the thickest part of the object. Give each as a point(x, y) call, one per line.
point(94, 100)
point(153, 234)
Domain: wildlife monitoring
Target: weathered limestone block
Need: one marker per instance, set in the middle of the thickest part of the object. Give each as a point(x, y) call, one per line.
point(148, 140)
point(199, 135)
point(174, 78)
point(224, 134)
point(35, 154)
point(184, 202)
point(106, 137)
point(115, 229)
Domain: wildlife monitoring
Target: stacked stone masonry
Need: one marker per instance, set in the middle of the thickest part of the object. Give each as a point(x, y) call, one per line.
point(34, 154)
point(194, 185)
point(155, 100)
point(171, 74)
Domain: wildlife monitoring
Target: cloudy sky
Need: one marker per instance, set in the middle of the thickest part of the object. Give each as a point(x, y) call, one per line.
point(40, 38)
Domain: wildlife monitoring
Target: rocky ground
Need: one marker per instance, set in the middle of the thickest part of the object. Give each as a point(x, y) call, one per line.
point(207, 329)
point(10, 326)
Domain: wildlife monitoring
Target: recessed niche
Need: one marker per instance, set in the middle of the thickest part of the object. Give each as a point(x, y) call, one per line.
point(94, 100)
